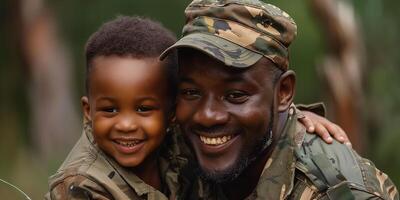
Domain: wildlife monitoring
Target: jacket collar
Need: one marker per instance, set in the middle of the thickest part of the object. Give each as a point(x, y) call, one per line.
point(277, 178)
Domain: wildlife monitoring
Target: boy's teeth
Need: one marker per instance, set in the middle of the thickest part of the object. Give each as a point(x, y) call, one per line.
point(215, 140)
point(128, 144)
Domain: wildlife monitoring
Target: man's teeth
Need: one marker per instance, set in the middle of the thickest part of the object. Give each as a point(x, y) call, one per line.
point(215, 140)
point(128, 143)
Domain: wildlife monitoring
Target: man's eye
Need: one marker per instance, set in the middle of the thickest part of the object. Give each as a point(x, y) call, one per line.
point(237, 96)
point(144, 108)
point(190, 94)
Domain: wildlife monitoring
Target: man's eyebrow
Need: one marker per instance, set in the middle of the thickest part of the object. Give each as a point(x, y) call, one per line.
point(186, 79)
point(230, 79)
point(233, 79)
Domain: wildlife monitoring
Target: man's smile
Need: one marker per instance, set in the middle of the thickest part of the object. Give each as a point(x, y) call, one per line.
point(214, 144)
point(215, 140)
point(215, 137)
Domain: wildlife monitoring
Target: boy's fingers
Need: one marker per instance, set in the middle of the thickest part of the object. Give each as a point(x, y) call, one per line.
point(335, 132)
point(323, 127)
point(348, 144)
point(338, 133)
point(308, 124)
point(323, 132)
point(346, 139)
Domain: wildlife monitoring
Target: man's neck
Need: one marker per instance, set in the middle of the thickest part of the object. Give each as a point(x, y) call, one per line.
point(247, 181)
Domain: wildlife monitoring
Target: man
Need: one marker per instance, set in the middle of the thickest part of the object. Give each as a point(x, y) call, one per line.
point(235, 109)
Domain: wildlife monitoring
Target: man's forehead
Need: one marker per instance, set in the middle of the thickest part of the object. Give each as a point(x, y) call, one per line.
point(203, 71)
point(198, 61)
point(191, 59)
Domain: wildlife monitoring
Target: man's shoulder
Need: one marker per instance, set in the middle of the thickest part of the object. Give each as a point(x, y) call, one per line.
point(328, 166)
point(329, 161)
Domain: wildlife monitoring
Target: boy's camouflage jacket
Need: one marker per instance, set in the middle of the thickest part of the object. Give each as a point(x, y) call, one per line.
point(87, 173)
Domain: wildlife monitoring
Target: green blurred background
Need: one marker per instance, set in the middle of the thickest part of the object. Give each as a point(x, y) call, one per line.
point(21, 160)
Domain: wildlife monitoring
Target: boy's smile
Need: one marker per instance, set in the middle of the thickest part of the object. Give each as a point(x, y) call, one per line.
point(127, 104)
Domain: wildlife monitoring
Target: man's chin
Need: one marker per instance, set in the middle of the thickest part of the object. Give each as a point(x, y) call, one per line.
point(227, 174)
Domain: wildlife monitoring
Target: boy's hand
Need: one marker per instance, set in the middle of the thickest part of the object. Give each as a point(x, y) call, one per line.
point(323, 128)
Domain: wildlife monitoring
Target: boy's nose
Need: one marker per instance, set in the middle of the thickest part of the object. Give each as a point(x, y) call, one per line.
point(126, 123)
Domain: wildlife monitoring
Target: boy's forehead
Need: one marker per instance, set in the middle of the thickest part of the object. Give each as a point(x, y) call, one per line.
point(126, 70)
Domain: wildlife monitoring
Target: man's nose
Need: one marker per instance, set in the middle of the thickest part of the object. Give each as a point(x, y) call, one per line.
point(126, 123)
point(211, 112)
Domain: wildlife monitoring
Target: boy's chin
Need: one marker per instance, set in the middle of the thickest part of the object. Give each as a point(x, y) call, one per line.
point(129, 163)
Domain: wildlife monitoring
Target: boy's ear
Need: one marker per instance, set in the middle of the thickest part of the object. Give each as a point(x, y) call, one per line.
point(86, 108)
point(286, 90)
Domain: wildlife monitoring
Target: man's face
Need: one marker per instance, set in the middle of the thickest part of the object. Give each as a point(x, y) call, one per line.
point(224, 112)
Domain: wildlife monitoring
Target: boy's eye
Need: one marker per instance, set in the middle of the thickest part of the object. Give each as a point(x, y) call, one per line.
point(190, 93)
point(109, 110)
point(144, 108)
point(237, 96)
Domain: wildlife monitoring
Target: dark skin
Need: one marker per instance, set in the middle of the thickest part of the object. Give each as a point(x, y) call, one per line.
point(248, 179)
point(117, 113)
point(128, 108)
point(216, 101)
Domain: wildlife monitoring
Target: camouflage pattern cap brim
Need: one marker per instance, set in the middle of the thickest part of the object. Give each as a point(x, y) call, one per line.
point(247, 26)
point(227, 52)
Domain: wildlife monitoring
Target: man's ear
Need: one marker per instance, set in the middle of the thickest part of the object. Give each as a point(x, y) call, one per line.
point(86, 108)
point(285, 90)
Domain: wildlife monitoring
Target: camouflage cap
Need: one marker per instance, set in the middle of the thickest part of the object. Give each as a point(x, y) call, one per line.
point(238, 32)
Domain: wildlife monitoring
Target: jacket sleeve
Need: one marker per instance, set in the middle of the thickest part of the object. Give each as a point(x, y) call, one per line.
point(77, 187)
point(376, 181)
point(338, 172)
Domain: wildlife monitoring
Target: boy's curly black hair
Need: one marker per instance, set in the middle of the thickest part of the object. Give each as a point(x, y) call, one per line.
point(136, 37)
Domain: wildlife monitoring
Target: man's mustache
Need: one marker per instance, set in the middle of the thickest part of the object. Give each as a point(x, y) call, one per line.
point(213, 129)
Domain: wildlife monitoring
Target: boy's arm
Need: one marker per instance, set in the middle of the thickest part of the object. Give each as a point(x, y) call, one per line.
point(78, 187)
point(313, 118)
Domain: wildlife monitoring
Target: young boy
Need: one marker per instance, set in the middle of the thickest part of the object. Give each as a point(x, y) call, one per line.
point(128, 104)
point(124, 152)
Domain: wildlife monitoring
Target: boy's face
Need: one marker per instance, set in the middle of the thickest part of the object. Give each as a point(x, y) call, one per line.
point(128, 107)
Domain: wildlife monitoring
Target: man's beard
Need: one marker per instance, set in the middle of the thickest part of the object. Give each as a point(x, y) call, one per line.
point(243, 161)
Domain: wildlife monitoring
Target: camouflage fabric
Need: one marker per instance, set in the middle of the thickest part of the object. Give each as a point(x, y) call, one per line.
point(238, 32)
point(285, 177)
point(87, 173)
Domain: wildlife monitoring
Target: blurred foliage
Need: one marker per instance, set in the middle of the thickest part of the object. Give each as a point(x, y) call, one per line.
point(78, 19)
point(380, 21)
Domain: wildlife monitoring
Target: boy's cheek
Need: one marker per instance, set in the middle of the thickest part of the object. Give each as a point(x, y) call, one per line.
point(155, 125)
point(101, 126)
